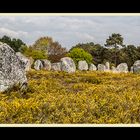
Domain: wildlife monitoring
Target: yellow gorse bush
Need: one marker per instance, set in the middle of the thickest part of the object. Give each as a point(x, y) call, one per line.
point(82, 97)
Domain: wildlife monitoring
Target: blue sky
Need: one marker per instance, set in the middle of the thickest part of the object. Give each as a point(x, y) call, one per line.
point(70, 30)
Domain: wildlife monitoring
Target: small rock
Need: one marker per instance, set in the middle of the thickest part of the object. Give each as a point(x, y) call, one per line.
point(92, 67)
point(101, 67)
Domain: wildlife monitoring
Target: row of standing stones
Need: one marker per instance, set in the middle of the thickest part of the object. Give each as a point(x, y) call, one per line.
point(13, 67)
point(67, 64)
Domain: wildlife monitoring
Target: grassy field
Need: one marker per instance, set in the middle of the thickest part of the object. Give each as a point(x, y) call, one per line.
point(83, 97)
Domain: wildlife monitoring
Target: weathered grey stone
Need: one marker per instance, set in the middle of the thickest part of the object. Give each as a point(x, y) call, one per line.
point(46, 64)
point(67, 65)
point(123, 67)
point(12, 69)
point(56, 66)
point(38, 65)
point(92, 67)
point(101, 67)
point(28, 61)
point(82, 65)
point(107, 66)
point(136, 66)
point(132, 69)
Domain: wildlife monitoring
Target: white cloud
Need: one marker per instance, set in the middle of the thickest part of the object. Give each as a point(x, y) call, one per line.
point(11, 33)
point(69, 30)
point(8, 32)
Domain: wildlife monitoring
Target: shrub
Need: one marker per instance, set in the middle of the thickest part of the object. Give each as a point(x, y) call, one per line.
point(35, 54)
point(78, 54)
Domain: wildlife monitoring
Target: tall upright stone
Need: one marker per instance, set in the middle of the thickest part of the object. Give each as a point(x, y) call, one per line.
point(67, 65)
point(107, 66)
point(12, 69)
point(132, 69)
point(82, 65)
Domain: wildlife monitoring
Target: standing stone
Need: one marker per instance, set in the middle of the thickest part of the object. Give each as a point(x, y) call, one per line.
point(122, 68)
point(12, 69)
point(28, 61)
point(46, 64)
point(82, 65)
point(132, 69)
point(68, 65)
point(56, 66)
point(92, 67)
point(107, 66)
point(38, 65)
point(136, 66)
point(101, 67)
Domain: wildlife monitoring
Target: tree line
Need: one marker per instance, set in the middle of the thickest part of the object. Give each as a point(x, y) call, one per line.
point(113, 51)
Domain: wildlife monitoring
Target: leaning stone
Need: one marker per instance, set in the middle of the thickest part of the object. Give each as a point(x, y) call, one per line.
point(12, 69)
point(38, 65)
point(82, 65)
point(28, 61)
point(67, 65)
point(56, 66)
point(92, 67)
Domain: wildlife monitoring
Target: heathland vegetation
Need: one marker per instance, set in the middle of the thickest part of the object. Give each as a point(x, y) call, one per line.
point(81, 97)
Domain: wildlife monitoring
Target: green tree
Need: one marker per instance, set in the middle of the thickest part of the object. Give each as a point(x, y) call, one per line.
point(14, 43)
point(78, 54)
point(88, 47)
point(129, 55)
point(114, 41)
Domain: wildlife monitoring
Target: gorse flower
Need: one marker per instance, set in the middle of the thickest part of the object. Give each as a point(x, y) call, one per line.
point(59, 97)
